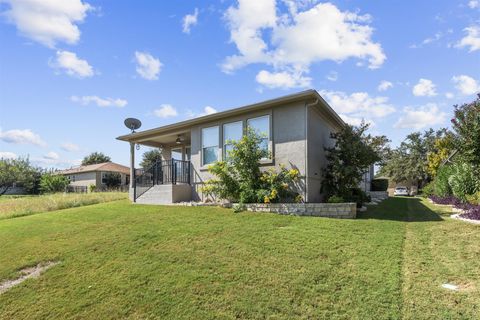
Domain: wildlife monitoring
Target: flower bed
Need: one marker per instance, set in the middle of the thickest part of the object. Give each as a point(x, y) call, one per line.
point(469, 211)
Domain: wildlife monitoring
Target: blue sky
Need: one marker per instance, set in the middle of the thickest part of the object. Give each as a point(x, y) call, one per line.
point(71, 71)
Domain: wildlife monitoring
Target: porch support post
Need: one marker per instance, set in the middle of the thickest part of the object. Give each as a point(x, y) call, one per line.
point(132, 172)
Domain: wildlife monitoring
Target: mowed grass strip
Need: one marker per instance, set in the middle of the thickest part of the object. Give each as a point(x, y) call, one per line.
point(119, 260)
point(439, 252)
point(14, 206)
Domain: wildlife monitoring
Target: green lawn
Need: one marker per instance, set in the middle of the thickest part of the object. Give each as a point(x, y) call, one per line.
point(119, 260)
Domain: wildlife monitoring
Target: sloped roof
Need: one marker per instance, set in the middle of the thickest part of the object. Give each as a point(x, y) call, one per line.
point(106, 166)
point(300, 96)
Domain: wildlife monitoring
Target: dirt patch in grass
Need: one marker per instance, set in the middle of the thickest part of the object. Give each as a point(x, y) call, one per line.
point(27, 273)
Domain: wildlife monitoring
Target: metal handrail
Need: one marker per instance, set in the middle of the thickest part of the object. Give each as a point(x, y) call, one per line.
point(162, 172)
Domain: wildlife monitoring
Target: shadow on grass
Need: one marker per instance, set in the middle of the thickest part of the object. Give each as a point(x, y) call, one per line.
point(405, 209)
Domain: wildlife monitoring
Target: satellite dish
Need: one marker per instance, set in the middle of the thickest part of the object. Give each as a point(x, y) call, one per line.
point(132, 124)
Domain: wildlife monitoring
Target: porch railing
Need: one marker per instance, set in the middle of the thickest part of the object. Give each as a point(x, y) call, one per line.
point(162, 172)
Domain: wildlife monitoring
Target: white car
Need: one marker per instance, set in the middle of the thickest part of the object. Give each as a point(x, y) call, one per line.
point(401, 191)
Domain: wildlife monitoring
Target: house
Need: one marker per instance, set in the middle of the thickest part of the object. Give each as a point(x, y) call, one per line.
point(84, 176)
point(296, 127)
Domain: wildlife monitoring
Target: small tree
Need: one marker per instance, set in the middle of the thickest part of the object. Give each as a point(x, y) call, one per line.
point(18, 171)
point(113, 179)
point(442, 148)
point(150, 157)
point(348, 160)
point(94, 158)
point(51, 183)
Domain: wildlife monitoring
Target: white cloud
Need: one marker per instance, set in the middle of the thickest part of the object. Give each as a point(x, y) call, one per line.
point(283, 79)
point(7, 155)
point(48, 22)
point(190, 20)
point(148, 67)
point(51, 156)
point(70, 147)
point(298, 38)
point(332, 76)
point(206, 111)
point(165, 111)
point(355, 121)
point(474, 4)
point(59, 163)
point(101, 102)
point(449, 95)
point(466, 85)
point(424, 87)
point(471, 40)
point(358, 104)
point(417, 118)
point(25, 136)
point(72, 65)
point(384, 85)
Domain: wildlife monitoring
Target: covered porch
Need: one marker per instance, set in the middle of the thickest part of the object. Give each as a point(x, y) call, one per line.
point(169, 178)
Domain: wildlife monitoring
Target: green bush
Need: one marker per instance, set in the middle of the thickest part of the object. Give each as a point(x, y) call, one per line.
point(335, 199)
point(463, 181)
point(474, 198)
point(51, 183)
point(112, 179)
point(358, 196)
point(428, 189)
point(379, 185)
point(239, 178)
point(441, 185)
point(92, 188)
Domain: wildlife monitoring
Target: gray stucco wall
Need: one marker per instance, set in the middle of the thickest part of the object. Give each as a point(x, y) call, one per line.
point(288, 145)
point(319, 129)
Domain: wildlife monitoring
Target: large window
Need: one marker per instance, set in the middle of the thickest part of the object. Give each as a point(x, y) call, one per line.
point(210, 139)
point(261, 126)
point(231, 132)
point(104, 177)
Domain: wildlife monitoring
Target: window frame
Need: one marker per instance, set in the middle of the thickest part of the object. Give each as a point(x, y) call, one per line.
point(203, 147)
point(224, 141)
point(102, 176)
point(269, 135)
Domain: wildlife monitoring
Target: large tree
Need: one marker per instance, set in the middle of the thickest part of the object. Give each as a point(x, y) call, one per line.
point(466, 124)
point(409, 162)
point(150, 157)
point(353, 154)
point(94, 158)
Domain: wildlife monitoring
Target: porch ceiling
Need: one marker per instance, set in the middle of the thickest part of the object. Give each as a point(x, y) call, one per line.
point(165, 139)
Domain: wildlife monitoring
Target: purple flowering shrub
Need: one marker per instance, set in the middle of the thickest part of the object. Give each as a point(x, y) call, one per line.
point(471, 211)
point(445, 200)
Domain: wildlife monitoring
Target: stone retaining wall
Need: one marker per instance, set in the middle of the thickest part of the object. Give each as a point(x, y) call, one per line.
point(331, 210)
point(378, 195)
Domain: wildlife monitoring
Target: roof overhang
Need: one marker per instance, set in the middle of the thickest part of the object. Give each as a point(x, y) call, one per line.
point(172, 130)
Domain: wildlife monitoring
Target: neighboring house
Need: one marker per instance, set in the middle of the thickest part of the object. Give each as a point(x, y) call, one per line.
point(94, 174)
point(296, 127)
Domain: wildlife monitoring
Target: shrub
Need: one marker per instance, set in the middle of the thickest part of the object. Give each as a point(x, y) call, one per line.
point(445, 200)
point(473, 213)
point(92, 188)
point(442, 187)
point(238, 207)
point(358, 196)
point(428, 189)
point(335, 199)
point(50, 183)
point(462, 181)
point(239, 178)
point(474, 198)
point(112, 179)
point(379, 185)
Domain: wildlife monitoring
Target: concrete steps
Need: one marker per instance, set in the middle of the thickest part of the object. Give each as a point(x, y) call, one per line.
point(166, 194)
